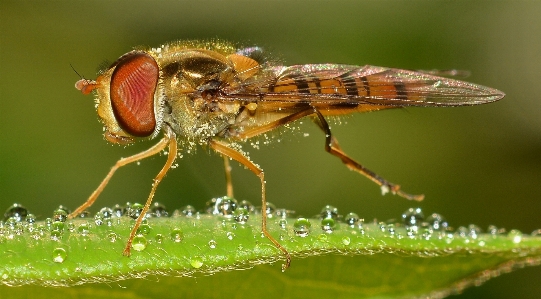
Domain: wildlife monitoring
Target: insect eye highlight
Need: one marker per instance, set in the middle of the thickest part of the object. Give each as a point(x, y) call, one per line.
point(132, 88)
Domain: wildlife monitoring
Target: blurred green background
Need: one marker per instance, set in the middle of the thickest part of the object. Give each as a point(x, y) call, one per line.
point(477, 165)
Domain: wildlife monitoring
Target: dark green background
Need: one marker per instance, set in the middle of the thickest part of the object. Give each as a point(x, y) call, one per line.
point(477, 165)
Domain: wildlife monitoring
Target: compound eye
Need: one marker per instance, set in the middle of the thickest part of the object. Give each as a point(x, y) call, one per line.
point(133, 84)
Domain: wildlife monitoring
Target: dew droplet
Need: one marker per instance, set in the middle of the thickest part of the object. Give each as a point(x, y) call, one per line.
point(224, 206)
point(60, 215)
point(84, 214)
point(462, 232)
point(65, 209)
point(474, 231)
point(346, 241)
point(247, 205)
point(112, 236)
point(139, 243)
point(48, 222)
point(271, 208)
point(144, 229)
point(158, 238)
point(413, 217)
point(177, 235)
point(515, 235)
point(328, 225)
point(55, 235)
point(188, 211)
point(83, 229)
point(98, 218)
point(158, 210)
point(118, 211)
point(241, 215)
point(16, 211)
point(59, 226)
point(351, 219)
point(196, 262)
point(106, 212)
point(230, 235)
point(135, 210)
point(59, 255)
point(301, 227)
point(212, 244)
point(323, 238)
point(437, 222)
point(329, 212)
point(30, 218)
point(283, 213)
point(282, 223)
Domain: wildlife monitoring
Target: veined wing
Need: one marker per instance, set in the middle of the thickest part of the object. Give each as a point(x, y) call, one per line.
point(343, 85)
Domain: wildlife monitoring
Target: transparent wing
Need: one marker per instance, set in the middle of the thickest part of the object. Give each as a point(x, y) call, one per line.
point(335, 84)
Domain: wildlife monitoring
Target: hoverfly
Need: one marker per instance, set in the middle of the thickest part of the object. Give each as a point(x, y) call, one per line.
point(212, 94)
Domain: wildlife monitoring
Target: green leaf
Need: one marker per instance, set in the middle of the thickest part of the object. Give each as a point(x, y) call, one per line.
point(330, 258)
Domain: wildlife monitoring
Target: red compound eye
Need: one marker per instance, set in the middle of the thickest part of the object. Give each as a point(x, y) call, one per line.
point(133, 83)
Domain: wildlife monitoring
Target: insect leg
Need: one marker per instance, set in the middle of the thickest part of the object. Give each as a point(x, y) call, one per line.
point(172, 154)
point(332, 147)
point(226, 151)
point(122, 162)
point(228, 181)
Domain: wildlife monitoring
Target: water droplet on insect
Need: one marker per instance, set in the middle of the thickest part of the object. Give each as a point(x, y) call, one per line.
point(196, 262)
point(71, 226)
point(139, 243)
point(301, 227)
point(230, 235)
point(16, 211)
point(241, 215)
point(351, 219)
point(212, 244)
point(177, 235)
point(158, 238)
point(328, 225)
point(224, 206)
point(437, 222)
point(515, 235)
point(413, 218)
point(346, 241)
point(59, 255)
point(158, 210)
